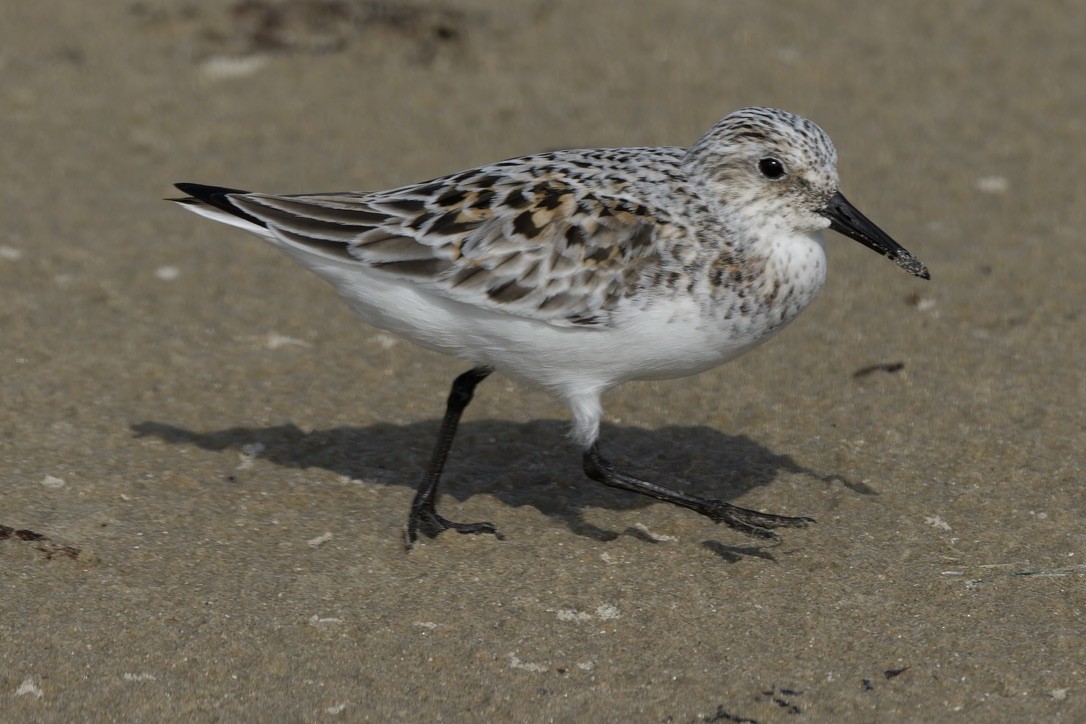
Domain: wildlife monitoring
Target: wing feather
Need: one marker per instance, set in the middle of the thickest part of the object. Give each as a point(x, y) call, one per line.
point(523, 238)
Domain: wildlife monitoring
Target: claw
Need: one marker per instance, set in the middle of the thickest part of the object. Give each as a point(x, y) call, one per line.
point(432, 525)
point(751, 522)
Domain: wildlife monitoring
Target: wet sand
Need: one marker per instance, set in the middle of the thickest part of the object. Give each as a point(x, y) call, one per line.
point(218, 458)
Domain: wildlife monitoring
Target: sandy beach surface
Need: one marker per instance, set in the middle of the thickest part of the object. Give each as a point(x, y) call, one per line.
point(207, 461)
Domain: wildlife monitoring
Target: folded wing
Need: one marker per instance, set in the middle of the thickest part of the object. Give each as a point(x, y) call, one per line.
point(522, 239)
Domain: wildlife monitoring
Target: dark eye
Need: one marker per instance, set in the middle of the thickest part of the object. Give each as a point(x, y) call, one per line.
point(771, 168)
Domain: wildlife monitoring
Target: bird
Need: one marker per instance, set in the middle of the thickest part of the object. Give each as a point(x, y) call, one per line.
point(579, 270)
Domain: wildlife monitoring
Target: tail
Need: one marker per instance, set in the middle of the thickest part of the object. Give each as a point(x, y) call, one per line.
point(214, 203)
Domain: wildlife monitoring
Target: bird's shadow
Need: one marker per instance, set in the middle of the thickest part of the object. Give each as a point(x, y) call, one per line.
point(528, 463)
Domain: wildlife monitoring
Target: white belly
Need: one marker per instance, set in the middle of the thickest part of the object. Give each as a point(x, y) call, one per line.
point(676, 337)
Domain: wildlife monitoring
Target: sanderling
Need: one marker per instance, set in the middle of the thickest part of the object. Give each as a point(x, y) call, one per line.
point(580, 270)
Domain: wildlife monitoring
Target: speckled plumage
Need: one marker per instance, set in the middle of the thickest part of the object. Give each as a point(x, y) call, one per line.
point(579, 270)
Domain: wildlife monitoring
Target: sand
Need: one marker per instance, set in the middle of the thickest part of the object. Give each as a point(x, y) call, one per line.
point(208, 461)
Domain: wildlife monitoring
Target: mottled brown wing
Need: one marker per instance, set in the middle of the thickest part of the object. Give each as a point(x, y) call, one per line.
point(533, 247)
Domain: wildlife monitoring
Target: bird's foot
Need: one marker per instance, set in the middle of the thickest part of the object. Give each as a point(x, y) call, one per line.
point(751, 522)
point(429, 523)
point(746, 521)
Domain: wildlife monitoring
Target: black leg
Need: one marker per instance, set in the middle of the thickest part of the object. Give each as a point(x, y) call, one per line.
point(750, 522)
point(423, 516)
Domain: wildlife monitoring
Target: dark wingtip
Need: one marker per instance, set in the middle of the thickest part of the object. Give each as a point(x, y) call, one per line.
point(216, 196)
point(205, 193)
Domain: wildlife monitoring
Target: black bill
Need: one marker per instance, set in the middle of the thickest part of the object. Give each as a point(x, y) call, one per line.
point(845, 219)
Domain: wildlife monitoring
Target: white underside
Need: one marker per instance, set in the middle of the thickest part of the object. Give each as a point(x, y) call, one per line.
point(575, 364)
